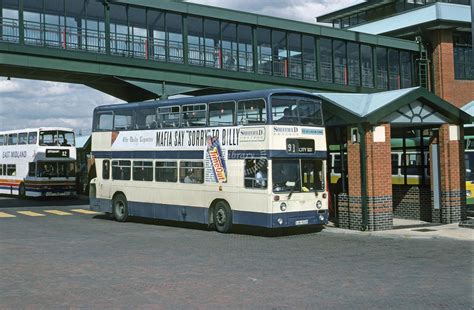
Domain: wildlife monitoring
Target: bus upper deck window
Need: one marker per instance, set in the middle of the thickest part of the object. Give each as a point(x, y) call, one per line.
point(194, 115)
point(168, 117)
point(123, 120)
point(222, 113)
point(1, 140)
point(105, 121)
point(32, 137)
point(145, 119)
point(251, 112)
point(23, 138)
point(12, 139)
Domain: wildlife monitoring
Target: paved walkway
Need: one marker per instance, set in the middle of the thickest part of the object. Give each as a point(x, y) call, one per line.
point(404, 228)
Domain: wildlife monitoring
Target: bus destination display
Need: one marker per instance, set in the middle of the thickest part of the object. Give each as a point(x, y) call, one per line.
point(52, 153)
point(299, 146)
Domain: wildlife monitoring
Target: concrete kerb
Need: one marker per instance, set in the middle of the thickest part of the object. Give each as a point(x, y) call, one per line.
point(449, 231)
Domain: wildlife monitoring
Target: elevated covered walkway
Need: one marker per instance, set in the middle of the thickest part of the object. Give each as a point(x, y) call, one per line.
point(137, 50)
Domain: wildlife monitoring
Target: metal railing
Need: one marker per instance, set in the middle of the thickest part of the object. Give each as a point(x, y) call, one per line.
point(9, 30)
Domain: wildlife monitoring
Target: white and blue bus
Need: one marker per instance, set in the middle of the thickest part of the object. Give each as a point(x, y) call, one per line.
point(38, 162)
point(253, 158)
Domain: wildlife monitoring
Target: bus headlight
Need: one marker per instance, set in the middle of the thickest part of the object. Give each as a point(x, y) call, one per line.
point(319, 204)
point(468, 193)
point(283, 206)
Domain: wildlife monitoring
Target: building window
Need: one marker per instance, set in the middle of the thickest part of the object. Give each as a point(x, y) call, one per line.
point(367, 66)
point(256, 173)
point(353, 60)
point(280, 53)
point(166, 171)
point(295, 55)
point(406, 67)
point(382, 68)
point(325, 60)
point(340, 62)
point(463, 56)
point(394, 69)
point(309, 58)
point(264, 49)
point(191, 172)
point(245, 48)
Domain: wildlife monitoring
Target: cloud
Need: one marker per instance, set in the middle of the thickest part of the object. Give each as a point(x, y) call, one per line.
point(299, 10)
point(26, 103)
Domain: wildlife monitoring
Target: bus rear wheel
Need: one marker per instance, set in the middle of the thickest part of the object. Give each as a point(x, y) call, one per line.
point(22, 191)
point(120, 208)
point(223, 217)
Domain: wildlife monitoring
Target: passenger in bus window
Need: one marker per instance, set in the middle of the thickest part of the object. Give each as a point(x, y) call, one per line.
point(189, 176)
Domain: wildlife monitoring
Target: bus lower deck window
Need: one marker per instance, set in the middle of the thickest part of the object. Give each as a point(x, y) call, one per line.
point(256, 173)
point(11, 170)
point(166, 171)
point(191, 172)
point(121, 170)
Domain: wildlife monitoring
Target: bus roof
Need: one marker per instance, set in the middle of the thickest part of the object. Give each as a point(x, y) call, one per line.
point(36, 129)
point(206, 99)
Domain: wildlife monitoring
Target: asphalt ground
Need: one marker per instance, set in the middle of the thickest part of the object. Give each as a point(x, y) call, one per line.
point(69, 259)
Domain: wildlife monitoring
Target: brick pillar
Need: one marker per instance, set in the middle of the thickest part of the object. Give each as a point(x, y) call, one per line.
point(452, 174)
point(379, 182)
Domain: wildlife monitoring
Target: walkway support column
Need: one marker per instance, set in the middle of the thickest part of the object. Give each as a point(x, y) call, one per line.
point(368, 204)
point(452, 175)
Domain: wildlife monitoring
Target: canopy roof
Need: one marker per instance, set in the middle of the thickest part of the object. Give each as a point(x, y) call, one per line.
point(405, 106)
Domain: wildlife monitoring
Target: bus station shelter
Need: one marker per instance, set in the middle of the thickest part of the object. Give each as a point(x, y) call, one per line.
point(395, 154)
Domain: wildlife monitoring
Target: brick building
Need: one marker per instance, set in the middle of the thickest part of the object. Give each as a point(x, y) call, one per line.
point(418, 171)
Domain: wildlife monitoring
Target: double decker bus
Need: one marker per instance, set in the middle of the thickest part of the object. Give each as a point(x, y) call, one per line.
point(38, 162)
point(254, 158)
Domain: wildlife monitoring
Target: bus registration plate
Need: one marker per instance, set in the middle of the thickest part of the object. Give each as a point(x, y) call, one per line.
point(301, 222)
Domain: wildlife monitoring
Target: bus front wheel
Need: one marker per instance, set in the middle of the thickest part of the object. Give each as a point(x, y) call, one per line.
point(120, 208)
point(223, 217)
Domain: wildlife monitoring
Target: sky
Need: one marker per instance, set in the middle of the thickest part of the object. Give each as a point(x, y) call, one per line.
point(28, 103)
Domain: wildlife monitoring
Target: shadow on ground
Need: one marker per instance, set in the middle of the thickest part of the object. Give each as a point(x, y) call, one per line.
point(40, 202)
point(237, 229)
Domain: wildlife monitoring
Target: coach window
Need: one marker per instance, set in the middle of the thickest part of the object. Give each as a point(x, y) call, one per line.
point(222, 113)
point(194, 115)
point(12, 139)
point(105, 121)
point(191, 172)
point(106, 169)
point(121, 170)
point(166, 171)
point(32, 137)
point(22, 138)
point(168, 117)
point(123, 120)
point(143, 171)
point(11, 170)
point(145, 119)
point(256, 173)
point(1, 140)
point(251, 112)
